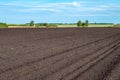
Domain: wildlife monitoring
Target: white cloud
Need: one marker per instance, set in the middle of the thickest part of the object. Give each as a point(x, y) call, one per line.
point(77, 4)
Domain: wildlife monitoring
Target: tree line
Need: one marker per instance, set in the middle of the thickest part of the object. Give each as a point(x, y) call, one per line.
point(32, 23)
point(79, 24)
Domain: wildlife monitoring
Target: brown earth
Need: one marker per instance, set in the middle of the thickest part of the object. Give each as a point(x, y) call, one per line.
point(60, 54)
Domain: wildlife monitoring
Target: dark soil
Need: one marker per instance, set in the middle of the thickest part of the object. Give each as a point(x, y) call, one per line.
point(60, 54)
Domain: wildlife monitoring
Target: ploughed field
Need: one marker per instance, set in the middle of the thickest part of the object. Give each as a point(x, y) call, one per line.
point(60, 54)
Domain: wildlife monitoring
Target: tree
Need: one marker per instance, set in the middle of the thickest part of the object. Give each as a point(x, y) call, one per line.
point(32, 23)
point(79, 23)
point(86, 23)
point(83, 24)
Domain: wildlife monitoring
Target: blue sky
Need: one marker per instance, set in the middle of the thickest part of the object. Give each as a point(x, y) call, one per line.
point(62, 11)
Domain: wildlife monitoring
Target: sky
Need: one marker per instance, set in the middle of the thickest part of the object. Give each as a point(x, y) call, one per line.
point(59, 11)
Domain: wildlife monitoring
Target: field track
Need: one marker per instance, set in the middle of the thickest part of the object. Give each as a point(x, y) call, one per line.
point(60, 54)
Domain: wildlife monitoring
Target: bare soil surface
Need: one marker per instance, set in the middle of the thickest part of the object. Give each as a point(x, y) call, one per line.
point(60, 54)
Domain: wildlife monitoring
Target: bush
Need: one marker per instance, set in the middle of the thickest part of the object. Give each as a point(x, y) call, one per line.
point(3, 25)
point(45, 25)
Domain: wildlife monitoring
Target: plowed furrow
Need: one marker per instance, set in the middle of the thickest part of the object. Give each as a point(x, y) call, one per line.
point(114, 72)
point(52, 55)
point(74, 59)
point(85, 74)
point(55, 54)
point(75, 69)
point(52, 69)
point(71, 59)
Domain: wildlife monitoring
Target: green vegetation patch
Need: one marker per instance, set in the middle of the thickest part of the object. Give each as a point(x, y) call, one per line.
point(46, 25)
point(3, 25)
point(117, 25)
